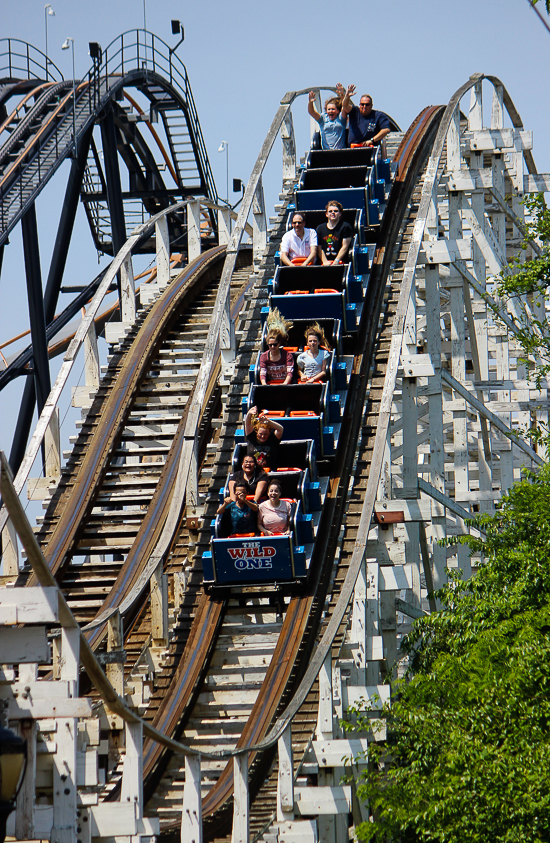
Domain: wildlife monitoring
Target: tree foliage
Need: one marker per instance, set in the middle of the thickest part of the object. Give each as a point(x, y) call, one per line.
point(468, 731)
point(527, 281)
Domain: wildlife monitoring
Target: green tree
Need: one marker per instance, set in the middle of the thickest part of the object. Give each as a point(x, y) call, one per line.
point(468, 750)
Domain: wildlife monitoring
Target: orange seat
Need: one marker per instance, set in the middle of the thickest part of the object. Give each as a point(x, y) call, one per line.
point(290, 348)
point(241, 535)
point(275, 381)
point(322, 290)
point(289, 469)
point(298, 261)
point(273, 413)
point(303, 413)
point(297, 293)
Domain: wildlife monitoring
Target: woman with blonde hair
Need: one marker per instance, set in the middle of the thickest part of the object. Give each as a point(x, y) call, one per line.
point(276, 364)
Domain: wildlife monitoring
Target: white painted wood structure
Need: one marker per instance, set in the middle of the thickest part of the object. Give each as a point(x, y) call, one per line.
point(456, 400)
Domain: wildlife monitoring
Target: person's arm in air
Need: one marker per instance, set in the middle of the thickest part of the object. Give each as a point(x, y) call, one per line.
point(248, 426)
point(312, 111)
point(347, 104)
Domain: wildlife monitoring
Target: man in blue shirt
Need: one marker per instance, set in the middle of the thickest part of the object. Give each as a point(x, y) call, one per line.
point(367, 127)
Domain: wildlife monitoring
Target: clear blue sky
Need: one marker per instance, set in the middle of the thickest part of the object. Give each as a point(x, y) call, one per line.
point(242, 56)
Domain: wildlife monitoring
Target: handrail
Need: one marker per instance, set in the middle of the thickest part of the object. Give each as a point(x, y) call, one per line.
point(32, 57)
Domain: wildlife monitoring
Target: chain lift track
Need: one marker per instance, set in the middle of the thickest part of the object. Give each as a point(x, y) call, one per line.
point(253, 684)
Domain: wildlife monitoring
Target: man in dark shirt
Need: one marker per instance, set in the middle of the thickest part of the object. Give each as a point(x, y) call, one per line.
point(367, 127)
point(334, 236)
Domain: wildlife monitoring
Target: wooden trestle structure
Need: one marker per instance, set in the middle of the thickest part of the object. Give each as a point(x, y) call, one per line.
point(441, 404)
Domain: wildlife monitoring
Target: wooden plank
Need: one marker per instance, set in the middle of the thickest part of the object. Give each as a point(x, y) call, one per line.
point(298, 831)
point(111, 819)
point(323, 800)
point(24, 644)
point(28, 605)
point(536, 183)
point(368, 697)
point(20, 709)
point(495, 139)
point(445, 251)
point(395, 578)
point(333, 753)
point(240, 799)
point(191, 816)
point(413, 510)
point(39, 690)
point(87, 768)
point(470, 179)
point(285, 780)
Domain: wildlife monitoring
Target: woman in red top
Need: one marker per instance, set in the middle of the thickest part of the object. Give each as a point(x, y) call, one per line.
point(276, 364)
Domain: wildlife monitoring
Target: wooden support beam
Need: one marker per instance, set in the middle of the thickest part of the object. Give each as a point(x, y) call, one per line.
point(240, 833)
point(224, 225)
point(193, 230)
point(259, 225)
point(325, 715)
point(64, 782)
point(162, 247)
point(335, 799)
point(127, 292)
point(285, 780)
point(498, 423)
point(132, 772)
point(92, 373)
point(24, 809)
point(289, 147)
point(159, 607)
point(191, 815)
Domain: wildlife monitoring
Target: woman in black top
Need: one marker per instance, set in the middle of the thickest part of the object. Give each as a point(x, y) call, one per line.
point(253, 477)
point(263, 436)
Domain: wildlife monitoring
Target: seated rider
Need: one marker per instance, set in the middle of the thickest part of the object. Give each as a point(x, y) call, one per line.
point(299, 246)
point(334, 236)
point(276, 364)
point(332, 123)
point(313, 360)
point(263, 436)
point(367, 127)
point(274, 514)
point(242, 513)
point(250, 476)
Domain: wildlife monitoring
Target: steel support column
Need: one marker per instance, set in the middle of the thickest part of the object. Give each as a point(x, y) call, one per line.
point(36, 307)
point(114, 186)
point(51, 294)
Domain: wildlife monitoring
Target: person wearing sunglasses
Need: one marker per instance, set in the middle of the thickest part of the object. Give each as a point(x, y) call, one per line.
point(367, 127)
point(299, 246)
point(276, 364)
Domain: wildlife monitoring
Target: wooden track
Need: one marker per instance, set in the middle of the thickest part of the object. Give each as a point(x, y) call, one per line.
point(233, 663)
